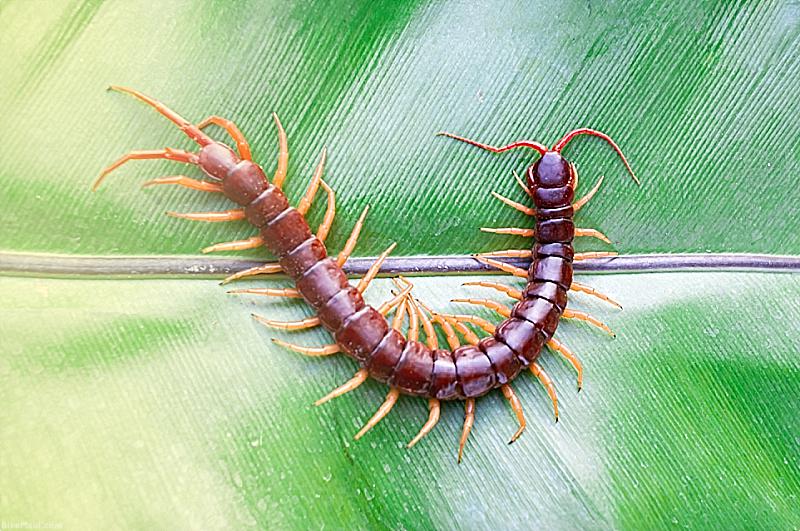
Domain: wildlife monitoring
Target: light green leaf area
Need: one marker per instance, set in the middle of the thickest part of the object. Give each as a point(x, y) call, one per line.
point(157, 403)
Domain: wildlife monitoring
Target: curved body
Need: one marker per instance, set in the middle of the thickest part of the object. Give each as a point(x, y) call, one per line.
point(364, 334)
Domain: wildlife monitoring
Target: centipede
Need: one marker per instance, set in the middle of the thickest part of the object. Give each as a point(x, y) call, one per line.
point(480, 356)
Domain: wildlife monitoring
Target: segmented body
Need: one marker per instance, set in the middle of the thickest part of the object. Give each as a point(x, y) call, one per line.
point(408, 366)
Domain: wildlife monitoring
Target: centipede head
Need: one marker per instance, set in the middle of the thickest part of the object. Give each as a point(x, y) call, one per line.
point(551, 171)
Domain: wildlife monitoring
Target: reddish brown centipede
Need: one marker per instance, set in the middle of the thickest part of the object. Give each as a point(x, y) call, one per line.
point(408, 366)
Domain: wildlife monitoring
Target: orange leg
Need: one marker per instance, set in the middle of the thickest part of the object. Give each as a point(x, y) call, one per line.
point(241, 143)
point(374, 269)
point(400, 315)
point(516, 407)
point(592, 233)
point(388, 404)
point(522, 184)
point(238, 245)
point(516, 271)
point(313, 186)
point(510, 253)
point(545, 380)
point(226, 215)
point(266, 269)
point(577, 205)
point(350, 244)
point(389, 305)
point(485, 325)
point(290, 293)
point(514, 231)
point(434, 409)
point(359, 378)
point(283, 154)
point(413, 321)
point(469, 420)
point(594, 254)
point(310, 322)
point(177, 155)
point(492, 305)
point(431, 340)
point(330, 213)
point(559, 347)
point(465, 332)
point(325, 350)
point(516, 206)
point(186, 182)
point(511, 292)
point(591, 291)
point(583, 316)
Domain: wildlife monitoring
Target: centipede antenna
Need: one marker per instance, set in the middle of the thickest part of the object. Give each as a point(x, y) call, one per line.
point(191, 130)
point(586, 131)
point(434, 409)
point(540, 148)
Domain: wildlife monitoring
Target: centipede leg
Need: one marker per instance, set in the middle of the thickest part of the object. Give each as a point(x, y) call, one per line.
point(594, 254)
point(330, 213)
point(592, 233)
point(266, 269)
point(359, 378)
point(492, 305)
point(577, 205)
point(186, 182)
point(482, 323)
point(516, 407)
point(434, 410)
point(177, 155)
point(583, 316)
point(511, 292)
point(211, 217)
point(290, 293)
point(469, 420)
point(508, 268)
point(241, 143)
point(575, 286)
point(514, 231)
point(470, 336)
point(303, 324)
point(283, 154)
point(509, 253)
point(325, 350)
point(522, 184)
point(237, 245)
point(313, 186)
point(545, 380)
point(388, 404)
point(430, 334)
point(350, 244)
point(372, 272)
point(562, 349)
point(516, 206)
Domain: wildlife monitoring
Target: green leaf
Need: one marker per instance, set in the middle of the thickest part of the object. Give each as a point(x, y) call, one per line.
point(146, 402)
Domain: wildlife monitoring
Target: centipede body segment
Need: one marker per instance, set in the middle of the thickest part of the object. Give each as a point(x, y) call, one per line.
point(472, 365)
